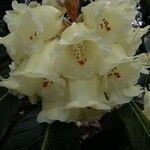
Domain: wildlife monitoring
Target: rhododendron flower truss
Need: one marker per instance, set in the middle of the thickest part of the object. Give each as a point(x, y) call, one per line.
point(79, 71)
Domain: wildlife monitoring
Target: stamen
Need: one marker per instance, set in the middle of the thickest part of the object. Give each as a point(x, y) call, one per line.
point(108, 28)
point(35, 33)
point(105, 22)
point(114, 73)
point(104, 25)
point(31, 37)
point(79, 52)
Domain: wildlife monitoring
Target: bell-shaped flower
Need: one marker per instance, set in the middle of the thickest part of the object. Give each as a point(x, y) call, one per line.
point(120, 83)
point(80, 55)
point(110, 19)
point(45, 21)
point(41, 64)
point(34, 70)
point(31, 28)
point(56, 104)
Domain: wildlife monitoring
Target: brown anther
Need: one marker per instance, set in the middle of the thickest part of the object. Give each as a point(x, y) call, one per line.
point(110, 74)
point(35, 34)
point(108, 29)
point(106, 22)
point(31, 37)
point(117, 75)
point(89, 107)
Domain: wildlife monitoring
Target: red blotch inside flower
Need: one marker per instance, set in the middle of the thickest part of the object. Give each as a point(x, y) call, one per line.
point(45, 84)
point(81, 62)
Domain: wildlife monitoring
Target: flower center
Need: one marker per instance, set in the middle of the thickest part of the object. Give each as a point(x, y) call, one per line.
point(46, 83)
point(114, 73)
point(33, 36)
point(104, 25)
point(79, 52)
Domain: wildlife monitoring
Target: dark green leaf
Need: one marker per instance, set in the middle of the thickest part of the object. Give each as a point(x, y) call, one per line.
point(137, 125)
point(147, 2)
point(27, 134)
point(3, 29)
point(9, 106)
point(111, 121)
point(61, 136)
point(112, 139)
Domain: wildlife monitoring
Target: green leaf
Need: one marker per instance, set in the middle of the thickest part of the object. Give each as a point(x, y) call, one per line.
point(112, 139)
point(9, 106)
point(147, 2)
point(3, 28)
point(137, 125)
point(61, 136)
point(27, 134)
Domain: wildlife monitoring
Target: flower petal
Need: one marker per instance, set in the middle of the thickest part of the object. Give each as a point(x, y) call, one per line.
point(77, 33)
point(91, 11)
point(133, 40)
point(55, 3)
point(103, 16)
point(86, 93)
point(41, 64)
point(119, 82)
point(13, 48)
point(23, 85)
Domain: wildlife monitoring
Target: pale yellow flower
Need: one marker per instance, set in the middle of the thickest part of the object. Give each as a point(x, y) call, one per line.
point(79, 55)
point(30, 28)
point(120, 83)
point(112, 21)
point(74, 102)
